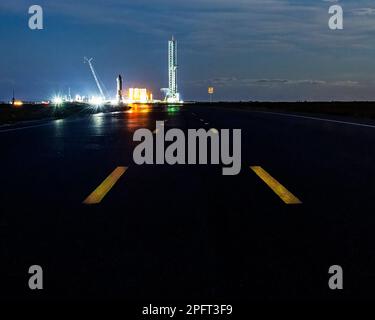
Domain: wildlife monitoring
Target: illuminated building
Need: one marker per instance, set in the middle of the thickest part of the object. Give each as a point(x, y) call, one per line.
point(137, 95)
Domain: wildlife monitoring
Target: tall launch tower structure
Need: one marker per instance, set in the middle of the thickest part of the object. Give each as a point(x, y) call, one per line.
point(172, 95)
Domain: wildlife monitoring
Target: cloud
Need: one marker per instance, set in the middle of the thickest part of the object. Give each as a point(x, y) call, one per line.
point(235, 25)
point(364, 11)
point(246, 82)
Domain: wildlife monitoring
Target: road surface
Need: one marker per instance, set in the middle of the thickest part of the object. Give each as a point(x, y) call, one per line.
point(174, 233)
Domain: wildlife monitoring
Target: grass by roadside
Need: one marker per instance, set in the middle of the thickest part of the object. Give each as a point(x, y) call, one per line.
point(12, 114)
point(352, 109)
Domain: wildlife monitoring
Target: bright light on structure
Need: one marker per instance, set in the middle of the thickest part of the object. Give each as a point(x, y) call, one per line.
point(174, 99)
point(18, 103)
point(96, 101)
point(78, 98)
point(137, 95)
point(57, 100)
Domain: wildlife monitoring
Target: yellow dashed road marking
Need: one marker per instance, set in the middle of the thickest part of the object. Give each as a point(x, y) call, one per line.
point(278, 188)
point(100, 192)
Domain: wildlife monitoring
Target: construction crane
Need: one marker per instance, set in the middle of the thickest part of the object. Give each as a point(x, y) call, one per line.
point(89, 61)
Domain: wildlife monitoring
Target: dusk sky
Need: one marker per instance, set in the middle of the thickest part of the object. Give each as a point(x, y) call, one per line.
point(247, 49)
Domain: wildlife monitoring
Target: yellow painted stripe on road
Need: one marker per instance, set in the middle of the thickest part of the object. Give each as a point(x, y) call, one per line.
point(100, 192)
point(276, 187)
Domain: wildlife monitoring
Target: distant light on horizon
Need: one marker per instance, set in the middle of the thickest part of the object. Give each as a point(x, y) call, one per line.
point(57, 100)
point(18, 103)
point(96, 101)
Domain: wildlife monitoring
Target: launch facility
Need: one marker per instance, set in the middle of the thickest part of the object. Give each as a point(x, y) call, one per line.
point(124, 96)
point(136, 95)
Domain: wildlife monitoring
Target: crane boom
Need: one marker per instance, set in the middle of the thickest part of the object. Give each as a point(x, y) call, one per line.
point(89, 61)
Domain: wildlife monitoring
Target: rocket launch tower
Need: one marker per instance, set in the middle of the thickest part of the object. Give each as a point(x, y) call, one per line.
point(172, 94)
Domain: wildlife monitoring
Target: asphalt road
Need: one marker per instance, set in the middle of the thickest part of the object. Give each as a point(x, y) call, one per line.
point(174, 233)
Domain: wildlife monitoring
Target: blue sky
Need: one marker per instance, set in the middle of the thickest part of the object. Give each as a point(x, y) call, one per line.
point(247, 49)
